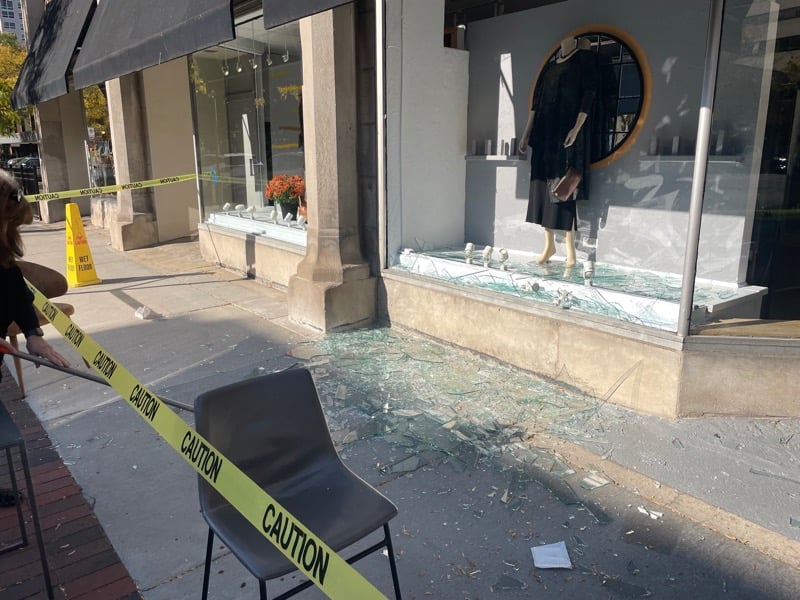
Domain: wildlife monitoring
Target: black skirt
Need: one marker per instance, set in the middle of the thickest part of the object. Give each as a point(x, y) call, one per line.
point(543, 211)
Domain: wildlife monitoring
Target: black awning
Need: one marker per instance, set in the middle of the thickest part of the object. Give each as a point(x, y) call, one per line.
point(278, 12)
point(43, 75)
point(127, 36)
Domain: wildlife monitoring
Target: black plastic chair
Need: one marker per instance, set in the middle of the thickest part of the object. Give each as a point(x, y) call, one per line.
point(273, 428)
point(11, 437)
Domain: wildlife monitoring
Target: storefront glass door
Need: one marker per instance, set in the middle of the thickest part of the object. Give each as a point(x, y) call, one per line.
point(756, 123)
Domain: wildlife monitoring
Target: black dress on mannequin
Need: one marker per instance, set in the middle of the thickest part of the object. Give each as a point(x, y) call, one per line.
point(563, 90)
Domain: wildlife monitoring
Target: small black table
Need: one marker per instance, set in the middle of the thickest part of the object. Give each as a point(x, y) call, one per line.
point(10, 437)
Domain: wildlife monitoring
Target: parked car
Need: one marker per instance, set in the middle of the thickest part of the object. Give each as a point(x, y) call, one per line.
point(28, 172)
point(29, 161)
point(12, 161)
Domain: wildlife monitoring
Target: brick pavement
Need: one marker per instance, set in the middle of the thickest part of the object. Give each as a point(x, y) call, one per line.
point(83, 564)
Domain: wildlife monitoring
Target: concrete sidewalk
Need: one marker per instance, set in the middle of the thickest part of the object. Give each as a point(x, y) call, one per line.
point(739, 477)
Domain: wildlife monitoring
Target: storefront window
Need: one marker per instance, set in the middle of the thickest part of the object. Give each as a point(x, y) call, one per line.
point(464, 206)
point(248, 112)
point(750, 227)
point(99, 156)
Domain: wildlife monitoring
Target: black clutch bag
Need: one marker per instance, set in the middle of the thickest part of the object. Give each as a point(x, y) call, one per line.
point(564, 188)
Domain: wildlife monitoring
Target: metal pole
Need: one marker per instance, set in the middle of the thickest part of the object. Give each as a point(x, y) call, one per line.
point(700, 166)
point(84, 375)
point(380, 124)
point(43, 362)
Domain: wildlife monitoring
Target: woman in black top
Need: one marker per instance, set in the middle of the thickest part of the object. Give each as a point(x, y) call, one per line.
point(16, 300)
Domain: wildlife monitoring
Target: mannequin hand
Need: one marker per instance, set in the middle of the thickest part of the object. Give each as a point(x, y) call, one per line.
point(38, 346)
point(523, 144)
point(571, 136)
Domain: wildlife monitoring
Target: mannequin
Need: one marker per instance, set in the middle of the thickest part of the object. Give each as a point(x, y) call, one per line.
point(562, 99)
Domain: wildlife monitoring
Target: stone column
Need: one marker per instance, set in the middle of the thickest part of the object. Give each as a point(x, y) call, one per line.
point(333, 288)
point(61, 129)
point(133, 224)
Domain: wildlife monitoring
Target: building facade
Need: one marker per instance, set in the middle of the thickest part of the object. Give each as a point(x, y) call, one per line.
point(669, 289)
point(11, 20)
point(679, 298)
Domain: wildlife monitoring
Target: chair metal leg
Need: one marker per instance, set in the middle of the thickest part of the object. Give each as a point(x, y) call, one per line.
point(262, 589)
point(207, 568)
point(36, 525)
point(392, 564)
point(385, 542)
point(20, 518)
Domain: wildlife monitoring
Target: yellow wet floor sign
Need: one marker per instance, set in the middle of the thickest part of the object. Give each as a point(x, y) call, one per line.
point(80, 266)
point(313, 557)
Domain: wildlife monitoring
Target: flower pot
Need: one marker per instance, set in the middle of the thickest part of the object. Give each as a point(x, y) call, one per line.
point(287, 208)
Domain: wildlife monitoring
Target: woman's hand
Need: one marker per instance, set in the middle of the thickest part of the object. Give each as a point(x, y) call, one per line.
point(38, 346)
point(6, 347)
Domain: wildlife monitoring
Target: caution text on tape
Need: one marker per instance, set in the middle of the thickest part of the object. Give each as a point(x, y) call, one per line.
point(108, 189)
point(313, 557)
point(211, 175)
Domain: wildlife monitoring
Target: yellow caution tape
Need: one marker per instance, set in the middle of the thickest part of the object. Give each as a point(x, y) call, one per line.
point(136, 185)
point(330, 572)
point(107, 189)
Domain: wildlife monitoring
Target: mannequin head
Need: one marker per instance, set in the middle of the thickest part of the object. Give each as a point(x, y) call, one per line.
point(568, 45)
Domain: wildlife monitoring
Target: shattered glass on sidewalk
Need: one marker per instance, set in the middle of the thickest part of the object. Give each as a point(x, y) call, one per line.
point(438, 402)
point(416, 392)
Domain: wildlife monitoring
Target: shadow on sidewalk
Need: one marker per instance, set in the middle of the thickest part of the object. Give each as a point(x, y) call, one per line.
point(83, 564)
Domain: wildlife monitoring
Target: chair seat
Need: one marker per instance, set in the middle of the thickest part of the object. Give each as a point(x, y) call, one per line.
point(48, 281)
point(67, 309)
point(10, 435)
point(354, 515)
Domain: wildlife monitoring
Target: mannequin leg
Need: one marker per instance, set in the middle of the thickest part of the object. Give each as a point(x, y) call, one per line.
point(570, 244)
point(549, 247)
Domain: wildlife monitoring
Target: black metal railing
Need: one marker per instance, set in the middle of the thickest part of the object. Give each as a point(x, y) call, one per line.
point(29, 177)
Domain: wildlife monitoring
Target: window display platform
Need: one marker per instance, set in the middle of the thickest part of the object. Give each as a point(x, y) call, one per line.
point(261, 222)
point(648, 298)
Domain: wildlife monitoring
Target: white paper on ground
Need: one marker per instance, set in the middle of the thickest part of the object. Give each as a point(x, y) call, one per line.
point(551, 556)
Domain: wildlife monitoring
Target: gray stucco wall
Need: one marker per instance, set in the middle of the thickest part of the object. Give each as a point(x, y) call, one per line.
point(426, 120)
point(637, 213)
point(637, 206)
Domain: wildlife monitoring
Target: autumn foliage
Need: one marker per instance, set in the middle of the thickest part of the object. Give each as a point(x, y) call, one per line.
point(12, 56)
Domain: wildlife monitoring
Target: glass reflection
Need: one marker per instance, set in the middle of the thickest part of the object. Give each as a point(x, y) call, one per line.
point(248, 110)
point(757, 118)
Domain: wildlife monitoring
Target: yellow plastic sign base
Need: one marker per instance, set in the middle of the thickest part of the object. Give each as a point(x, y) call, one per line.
point(80, 266)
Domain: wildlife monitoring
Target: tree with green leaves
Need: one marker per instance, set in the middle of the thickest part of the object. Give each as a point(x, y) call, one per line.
point(12, 56)
point(95, 107)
